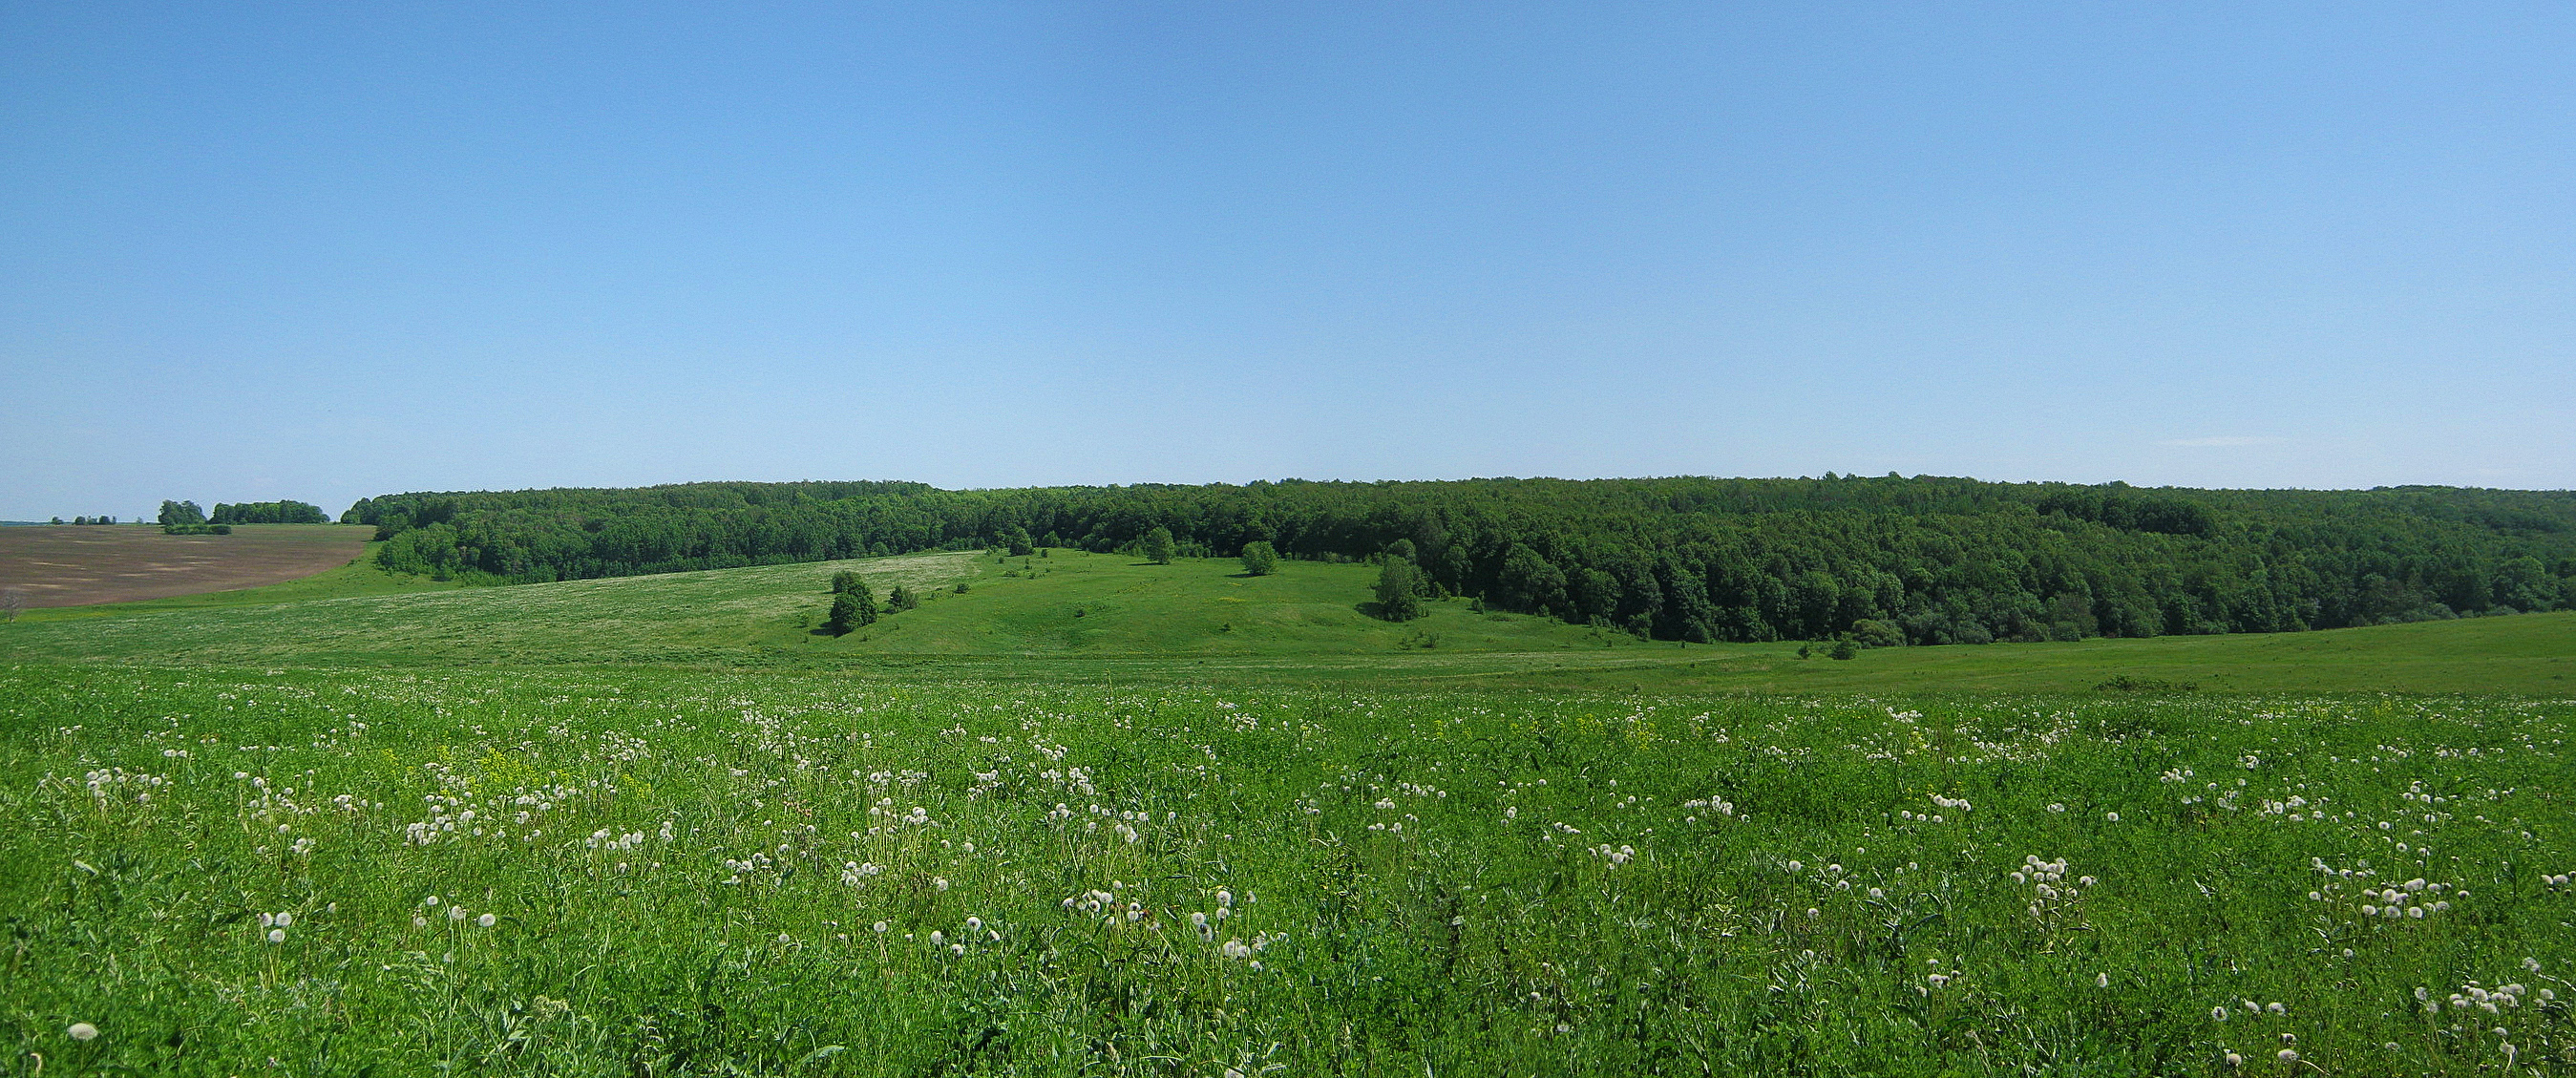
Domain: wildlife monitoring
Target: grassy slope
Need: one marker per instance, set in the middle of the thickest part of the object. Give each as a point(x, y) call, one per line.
point(1200, 620)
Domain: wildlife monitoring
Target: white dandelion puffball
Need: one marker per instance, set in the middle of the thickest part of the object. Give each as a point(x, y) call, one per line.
point(2101, 980)
point(1797, 867)
point(2235, 1060)
point(277, 935)
point(430, 901)
point(1813, 913)
point(937, 937)
point(974, 924)
point(957, 948)
point(82, 1031)
point(2218, 1014)
point(2288, 1055)
point(487, 920)
point(880, 927)
point(2111, 816)
point(286, 920)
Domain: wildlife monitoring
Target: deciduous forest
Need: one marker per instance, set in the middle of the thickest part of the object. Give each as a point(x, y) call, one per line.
point(1885, 560)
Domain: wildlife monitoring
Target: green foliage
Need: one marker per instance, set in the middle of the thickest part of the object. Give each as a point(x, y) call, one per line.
point(1872, 633)
point(1016, 541)
point(1943, 560)
point(1844, 649)
point(845, 580)
point(281, 512)
point(901, 599)
point(1158, 546)
point(849, 612)
point(1399, 591)
point(181, 514)
point(1260, 558)
point(196, 529)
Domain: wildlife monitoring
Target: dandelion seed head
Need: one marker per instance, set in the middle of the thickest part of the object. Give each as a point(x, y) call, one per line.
point(82, 1031)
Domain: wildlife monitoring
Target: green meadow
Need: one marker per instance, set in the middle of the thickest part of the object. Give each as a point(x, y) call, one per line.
point(1088, 617)
point(1084, 815)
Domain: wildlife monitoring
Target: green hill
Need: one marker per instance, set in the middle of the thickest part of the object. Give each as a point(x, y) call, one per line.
point(1099, 616)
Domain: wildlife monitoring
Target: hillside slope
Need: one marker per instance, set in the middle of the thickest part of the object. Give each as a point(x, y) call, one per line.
point(1074, 616)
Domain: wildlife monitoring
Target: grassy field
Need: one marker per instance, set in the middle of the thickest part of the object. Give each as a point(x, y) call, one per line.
point(1103, 618)
point(646, 872)
point(1089, 816)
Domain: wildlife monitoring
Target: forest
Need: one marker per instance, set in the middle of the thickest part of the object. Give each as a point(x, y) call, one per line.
point(1881, 560)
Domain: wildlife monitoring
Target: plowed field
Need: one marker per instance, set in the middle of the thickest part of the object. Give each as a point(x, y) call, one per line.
point(77, 566)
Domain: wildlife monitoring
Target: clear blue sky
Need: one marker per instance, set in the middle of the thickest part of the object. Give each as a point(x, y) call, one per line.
point(322, 251)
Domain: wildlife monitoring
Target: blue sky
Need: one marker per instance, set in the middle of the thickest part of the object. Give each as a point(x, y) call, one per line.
point(324, 251)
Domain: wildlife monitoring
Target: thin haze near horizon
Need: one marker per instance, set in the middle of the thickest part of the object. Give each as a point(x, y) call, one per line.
point(309, 251)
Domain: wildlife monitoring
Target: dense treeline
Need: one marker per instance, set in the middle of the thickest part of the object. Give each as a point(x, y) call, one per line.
point(287, 512)
point(1924, 560)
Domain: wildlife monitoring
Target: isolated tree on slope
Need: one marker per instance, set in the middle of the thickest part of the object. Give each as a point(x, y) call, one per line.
point(1399, 591)
point(1159, 546)
point(1260, 559)
point(849, 611)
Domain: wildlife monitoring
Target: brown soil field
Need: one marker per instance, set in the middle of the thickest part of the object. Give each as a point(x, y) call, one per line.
point(112, 563)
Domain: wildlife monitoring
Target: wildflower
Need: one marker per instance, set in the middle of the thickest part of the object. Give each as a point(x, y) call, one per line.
point(277, 935)
point(2287, 1055)
point(2218, 1014)
point(974, 924)
point(82, 1031)
point(2101, 980)
point(430, 901)
point(1813, 913)
point(487, 920)
point(2235, 1060)
point(879, 927)
point(937, 937)
point(957, 948)
point(2111, 816)
point(455, 913)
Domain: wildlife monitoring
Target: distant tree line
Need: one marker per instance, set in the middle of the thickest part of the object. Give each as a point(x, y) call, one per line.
point(1922, 560)
point(286, 512)
point(88, 520)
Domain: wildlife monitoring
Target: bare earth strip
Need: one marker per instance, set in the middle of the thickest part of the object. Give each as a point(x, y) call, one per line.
point(114, 563)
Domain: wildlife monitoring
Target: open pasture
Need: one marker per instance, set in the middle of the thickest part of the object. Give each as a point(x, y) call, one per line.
point(66, 565)
point(566, 872)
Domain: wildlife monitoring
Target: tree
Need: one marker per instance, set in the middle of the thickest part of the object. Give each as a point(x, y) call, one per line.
point(1159, 545)
point(13, 601)
point(1844, 649)
point(845, 580)
point(181, 513)
point(848, 612)
point(901, 599)
point(1260, 559)
point(1399, 590)
point(1016, 541)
